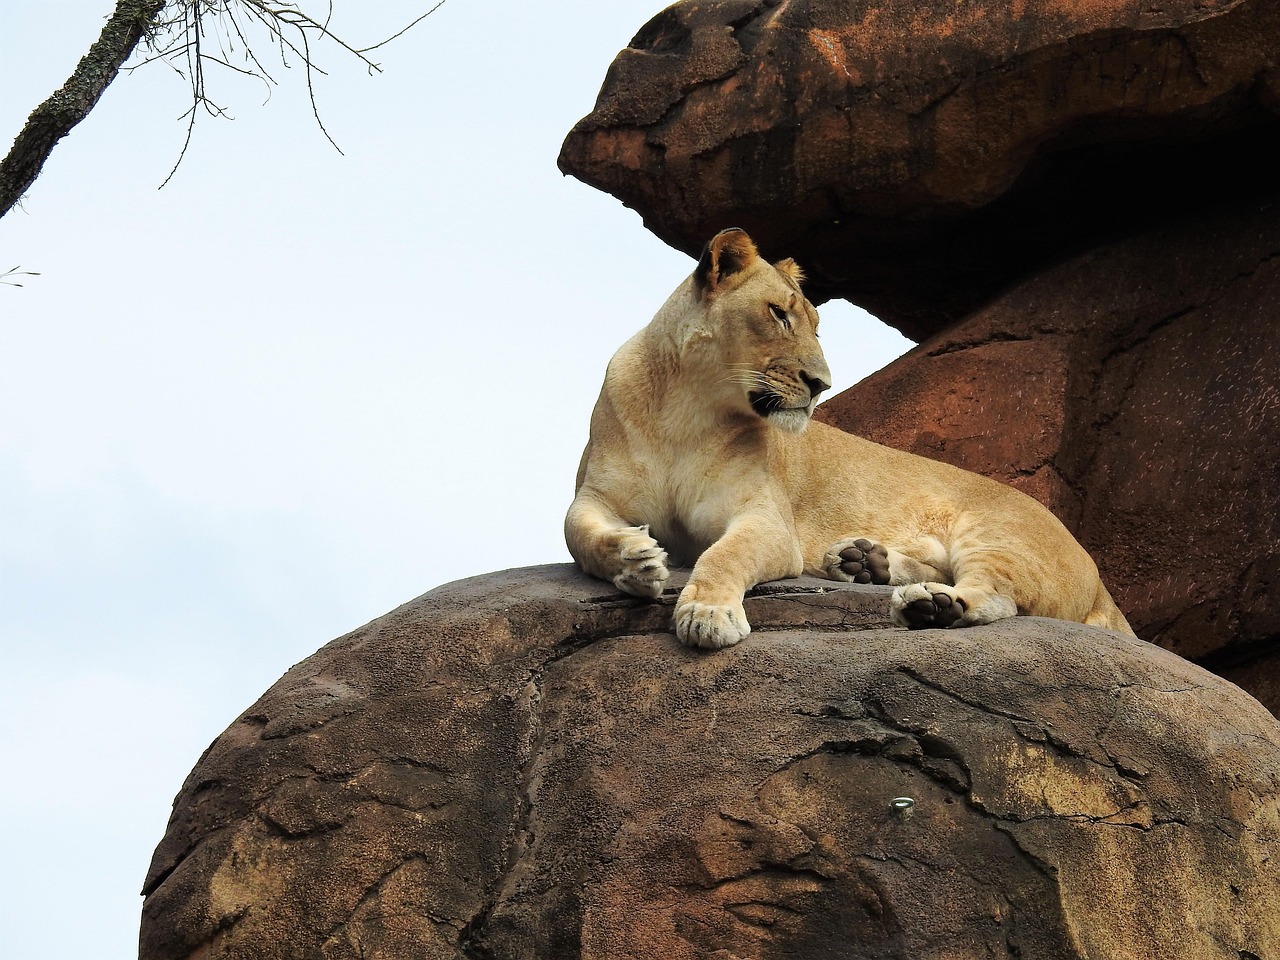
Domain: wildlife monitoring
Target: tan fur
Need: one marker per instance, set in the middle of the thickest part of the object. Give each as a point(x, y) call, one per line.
point(680, 465)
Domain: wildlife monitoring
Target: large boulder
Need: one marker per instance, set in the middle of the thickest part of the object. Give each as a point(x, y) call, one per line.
point(917, 156)
point(527, 765)
point(1074, 207)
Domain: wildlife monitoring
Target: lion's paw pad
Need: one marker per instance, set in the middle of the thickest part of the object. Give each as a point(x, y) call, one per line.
point(711, 625)
point(921, 605)
point(857, 561)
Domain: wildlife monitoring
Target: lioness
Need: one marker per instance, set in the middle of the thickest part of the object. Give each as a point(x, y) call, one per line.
point(702, 438)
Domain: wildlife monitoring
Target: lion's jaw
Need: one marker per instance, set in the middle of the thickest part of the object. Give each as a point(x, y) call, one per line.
point(772, 408)
point(783, 390)
point(790, 421)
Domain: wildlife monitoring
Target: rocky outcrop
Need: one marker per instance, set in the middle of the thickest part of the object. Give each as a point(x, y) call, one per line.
point(528, 765)
point(1072, 205)
point(1135, 390)
point(917, 156)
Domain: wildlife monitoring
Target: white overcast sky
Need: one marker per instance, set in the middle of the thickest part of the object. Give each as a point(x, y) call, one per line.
point(246, 413)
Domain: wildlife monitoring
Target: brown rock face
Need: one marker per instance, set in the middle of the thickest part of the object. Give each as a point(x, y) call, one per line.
point(1073, 204)
point(1134, 391)
point(917, 156)
point(527, 765)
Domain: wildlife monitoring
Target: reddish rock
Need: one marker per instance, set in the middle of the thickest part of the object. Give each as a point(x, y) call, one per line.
point(920, 155)
point(528, 765)
point(1134, 391)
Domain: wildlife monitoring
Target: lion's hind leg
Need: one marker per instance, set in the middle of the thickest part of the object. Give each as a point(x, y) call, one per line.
point(918, 605)
point(936, 587)
point(980, 588)
point(856, 560)
point(863, 560)
point(1106, 614)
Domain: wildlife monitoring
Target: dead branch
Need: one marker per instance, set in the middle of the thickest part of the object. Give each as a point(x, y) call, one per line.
point(55, 118)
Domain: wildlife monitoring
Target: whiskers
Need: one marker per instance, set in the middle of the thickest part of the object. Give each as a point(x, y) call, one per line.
point(769, 398)
point(748, 377)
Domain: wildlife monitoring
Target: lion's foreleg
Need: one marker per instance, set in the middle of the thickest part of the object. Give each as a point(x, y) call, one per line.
point(608, 547)
point(754, 549)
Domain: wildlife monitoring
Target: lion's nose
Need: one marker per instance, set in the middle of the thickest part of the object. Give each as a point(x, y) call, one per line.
point(815, 384)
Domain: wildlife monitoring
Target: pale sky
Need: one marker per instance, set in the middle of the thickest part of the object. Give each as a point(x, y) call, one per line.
point(247, 413)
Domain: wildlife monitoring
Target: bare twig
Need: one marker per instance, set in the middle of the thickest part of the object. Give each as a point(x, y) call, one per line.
point(401, 33)
point(6, 278)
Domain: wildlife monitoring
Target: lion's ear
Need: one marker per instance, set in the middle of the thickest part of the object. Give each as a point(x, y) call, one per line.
point(789, 268)
point(729, 252)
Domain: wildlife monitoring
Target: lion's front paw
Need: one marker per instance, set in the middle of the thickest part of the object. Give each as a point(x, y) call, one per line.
point(856, 561)
point(919, 605)
point(644, 564)
point(710, 625)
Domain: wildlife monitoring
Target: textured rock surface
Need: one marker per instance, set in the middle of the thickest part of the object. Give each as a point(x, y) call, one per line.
point(526, 765)
point(917, 156)
point(1135, 390)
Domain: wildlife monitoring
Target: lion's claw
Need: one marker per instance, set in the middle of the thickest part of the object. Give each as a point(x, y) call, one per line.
point(711, 626)
point(644, 565)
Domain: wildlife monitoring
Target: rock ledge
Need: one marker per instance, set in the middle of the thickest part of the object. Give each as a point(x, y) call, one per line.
point(528, 765)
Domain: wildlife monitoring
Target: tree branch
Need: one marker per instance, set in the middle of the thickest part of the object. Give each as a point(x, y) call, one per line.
point(175, 32)
point(54, 119)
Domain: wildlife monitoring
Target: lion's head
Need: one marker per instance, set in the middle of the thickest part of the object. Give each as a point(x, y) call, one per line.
point(758, 332)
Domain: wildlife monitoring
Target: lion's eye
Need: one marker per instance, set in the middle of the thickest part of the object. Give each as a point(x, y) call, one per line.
point(780, 315)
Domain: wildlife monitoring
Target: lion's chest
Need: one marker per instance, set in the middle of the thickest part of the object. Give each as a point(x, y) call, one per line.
point(689, 505)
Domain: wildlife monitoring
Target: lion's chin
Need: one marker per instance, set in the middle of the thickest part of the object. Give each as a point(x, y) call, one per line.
point(791, 421)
